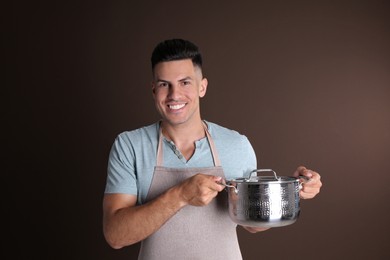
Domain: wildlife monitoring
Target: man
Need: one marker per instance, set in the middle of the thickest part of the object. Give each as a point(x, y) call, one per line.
point(163, 179)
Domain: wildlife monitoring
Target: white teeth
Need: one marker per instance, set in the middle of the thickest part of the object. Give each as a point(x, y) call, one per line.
point(176, 106)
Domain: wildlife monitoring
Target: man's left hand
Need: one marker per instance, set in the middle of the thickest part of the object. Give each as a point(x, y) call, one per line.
point(311, 187)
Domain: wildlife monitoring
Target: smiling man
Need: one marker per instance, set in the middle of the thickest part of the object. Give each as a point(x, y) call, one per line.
point(177, 88)
point(162, 181)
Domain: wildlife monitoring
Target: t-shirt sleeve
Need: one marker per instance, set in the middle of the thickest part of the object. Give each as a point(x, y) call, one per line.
point(121, 175)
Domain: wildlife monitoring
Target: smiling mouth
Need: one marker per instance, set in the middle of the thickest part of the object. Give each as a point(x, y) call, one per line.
point(176, 107)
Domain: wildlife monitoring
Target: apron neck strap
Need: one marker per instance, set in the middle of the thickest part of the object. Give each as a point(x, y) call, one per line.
point(209, 139)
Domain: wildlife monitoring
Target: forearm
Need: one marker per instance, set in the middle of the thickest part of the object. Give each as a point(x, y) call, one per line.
point(129, 225)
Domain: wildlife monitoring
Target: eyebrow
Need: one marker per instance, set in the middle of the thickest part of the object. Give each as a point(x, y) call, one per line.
point(180, 80)
point(161, 80)
point(186, 78)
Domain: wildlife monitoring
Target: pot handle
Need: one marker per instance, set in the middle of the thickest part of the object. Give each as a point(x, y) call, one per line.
point(304, 180)
point(254, 173)
point(229, 186)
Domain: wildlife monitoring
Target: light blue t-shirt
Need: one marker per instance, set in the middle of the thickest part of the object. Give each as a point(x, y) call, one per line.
point(133, 157)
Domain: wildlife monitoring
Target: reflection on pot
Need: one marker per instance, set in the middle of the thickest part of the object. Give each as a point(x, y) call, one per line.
point(261, 201)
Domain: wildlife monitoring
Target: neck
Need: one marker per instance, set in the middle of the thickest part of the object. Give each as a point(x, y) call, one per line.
point(183, 132)
point(184, 136)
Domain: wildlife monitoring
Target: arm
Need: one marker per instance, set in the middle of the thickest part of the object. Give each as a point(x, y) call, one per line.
point(124, 223)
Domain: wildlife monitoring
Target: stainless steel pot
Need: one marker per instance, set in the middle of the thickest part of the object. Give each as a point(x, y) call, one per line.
point(264, 201)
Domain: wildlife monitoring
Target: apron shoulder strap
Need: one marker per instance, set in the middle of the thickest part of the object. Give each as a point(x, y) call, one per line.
point(214, 152)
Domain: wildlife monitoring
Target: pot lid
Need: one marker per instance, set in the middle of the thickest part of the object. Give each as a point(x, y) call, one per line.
point(255, 178)
point(266, 179)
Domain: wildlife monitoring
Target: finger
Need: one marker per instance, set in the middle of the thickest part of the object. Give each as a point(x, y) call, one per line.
point(216, 178)
point(316, 176)
point(314, 181)
point(309, 191)
point(216, 186)
point(304, 195)
point(310, 174)
point(214, 183)
point(299, 170)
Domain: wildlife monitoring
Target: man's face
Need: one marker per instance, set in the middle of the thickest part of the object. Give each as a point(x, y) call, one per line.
point(177, 87)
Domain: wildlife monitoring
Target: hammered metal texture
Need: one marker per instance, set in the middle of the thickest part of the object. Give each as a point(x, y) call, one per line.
point(268, 205)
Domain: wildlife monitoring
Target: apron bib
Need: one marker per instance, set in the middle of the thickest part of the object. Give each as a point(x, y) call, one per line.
point(199, 233)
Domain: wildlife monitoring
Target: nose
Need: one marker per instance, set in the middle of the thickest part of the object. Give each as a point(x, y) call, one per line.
point(174, 92)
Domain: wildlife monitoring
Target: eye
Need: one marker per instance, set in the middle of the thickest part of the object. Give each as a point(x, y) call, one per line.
point(186, 83)
point(163, 84)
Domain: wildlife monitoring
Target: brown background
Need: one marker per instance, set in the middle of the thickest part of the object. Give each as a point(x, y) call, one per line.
point(307, 81)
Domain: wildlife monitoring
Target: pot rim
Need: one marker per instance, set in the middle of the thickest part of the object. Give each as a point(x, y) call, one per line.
point(265, 180)
point(254, 178)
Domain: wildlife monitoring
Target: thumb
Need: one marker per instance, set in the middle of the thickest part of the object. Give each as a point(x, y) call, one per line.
point(299, 170)
point(217, 178)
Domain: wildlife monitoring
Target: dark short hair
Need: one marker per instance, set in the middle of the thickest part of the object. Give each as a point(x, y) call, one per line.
point(176, 49)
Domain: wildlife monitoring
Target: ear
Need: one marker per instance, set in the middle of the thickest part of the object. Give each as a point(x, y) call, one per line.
point(153, 87)
point(203, 87)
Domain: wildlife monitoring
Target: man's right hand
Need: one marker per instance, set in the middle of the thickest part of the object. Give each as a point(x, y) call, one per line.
point(125, 223)
point(200, 189)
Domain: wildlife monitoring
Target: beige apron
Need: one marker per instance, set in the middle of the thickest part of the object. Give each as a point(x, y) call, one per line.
point(200, 233)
